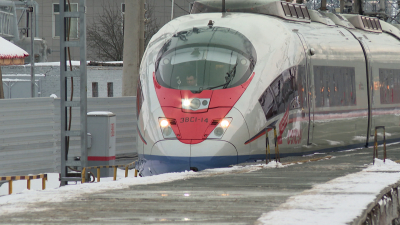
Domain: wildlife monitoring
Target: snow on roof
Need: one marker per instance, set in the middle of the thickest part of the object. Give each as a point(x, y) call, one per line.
point(9, 50)
point(100, 113)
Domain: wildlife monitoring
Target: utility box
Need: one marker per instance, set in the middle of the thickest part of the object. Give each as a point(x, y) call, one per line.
point(101, 148)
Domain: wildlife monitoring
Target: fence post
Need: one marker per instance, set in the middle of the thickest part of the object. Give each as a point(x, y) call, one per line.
point(277, 157)
point(115, 172)
point(28, 184)
point(126, 171)
point(267, 148)
point(384, 144)
point(43, 182)
point(10, 187)
point(98, 174)
point(136, 172)
point(375, 153)
point(83, 174)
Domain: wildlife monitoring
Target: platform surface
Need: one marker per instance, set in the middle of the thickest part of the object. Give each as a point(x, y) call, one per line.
point(217, 198)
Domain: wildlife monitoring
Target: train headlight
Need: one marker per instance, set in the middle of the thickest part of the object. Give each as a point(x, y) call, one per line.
point(186, 102)
point(164, 123)
point(220, 129)
point(166, 129)
point(195, 103)
point(225, 123)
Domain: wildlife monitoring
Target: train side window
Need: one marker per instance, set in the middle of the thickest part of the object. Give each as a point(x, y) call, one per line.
point(285, 91)
point(389, 84)
point(283, 94)
point(268, 104)
point(276, 89)
point(334, 86)
point(302, 85)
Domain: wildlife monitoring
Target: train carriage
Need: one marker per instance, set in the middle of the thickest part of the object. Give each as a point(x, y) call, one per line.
point(212, 84)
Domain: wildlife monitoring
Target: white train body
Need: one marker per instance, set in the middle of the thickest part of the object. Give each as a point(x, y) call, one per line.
point(324, 84)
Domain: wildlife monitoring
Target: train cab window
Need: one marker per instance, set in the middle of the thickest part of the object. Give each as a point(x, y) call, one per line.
point(205, 58)
point(334, 86)
point(389, 85)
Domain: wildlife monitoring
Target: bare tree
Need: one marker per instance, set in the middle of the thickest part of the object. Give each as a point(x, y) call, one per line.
point(151, 24)
point(105, 35)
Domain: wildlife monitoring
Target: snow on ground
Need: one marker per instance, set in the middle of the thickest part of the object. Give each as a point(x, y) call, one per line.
point(21, 198)
point(338, 201)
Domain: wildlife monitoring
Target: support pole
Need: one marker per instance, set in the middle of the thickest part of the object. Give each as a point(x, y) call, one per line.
point(382, 5)
point(341, 6)
point(358, 7)
point(32, 55)
point(1, 85)
point(133, 45)
point(223, 6)
point(323, 5)
point(172, 9)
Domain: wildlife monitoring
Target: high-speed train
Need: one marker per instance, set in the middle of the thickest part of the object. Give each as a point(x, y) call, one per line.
point(213, 83)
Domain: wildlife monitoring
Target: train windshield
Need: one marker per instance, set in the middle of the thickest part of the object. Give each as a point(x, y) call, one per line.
point(205, 59)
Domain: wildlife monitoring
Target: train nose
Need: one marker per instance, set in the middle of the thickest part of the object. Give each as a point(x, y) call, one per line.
point(174, 156)
point(212, 154)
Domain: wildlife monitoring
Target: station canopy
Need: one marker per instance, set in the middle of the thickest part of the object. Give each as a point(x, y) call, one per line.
point(10, 54)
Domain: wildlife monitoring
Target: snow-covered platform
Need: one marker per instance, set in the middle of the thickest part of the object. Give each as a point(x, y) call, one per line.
point(333, 188)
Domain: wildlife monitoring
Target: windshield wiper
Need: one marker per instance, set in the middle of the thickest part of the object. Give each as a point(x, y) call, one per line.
point(231, 74)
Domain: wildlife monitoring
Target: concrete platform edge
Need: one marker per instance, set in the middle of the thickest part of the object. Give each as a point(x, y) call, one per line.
point(363, 217)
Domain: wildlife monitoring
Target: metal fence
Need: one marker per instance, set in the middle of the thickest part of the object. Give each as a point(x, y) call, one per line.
point(30, 132)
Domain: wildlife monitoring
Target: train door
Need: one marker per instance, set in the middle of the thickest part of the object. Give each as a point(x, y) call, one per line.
point(368, 92)
point(306, 78)
point(384, 78)
point(336, 87)
point(369, 89)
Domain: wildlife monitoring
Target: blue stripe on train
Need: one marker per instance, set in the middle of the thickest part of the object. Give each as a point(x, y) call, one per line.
point(154, 164)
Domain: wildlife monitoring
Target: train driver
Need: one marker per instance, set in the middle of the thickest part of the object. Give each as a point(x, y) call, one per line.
point(191, 80)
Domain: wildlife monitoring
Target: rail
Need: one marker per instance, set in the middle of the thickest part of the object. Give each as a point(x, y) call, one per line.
point(375, 153)
point(267, 147)
point(10, 180)
point(107, 167)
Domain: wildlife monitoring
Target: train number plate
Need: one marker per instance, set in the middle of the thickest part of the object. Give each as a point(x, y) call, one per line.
point(193, 119)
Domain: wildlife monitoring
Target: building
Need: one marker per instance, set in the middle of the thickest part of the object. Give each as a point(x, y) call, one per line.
point(46, 21)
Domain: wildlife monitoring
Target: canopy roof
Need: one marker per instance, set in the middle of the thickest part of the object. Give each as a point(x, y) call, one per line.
point(11, 54)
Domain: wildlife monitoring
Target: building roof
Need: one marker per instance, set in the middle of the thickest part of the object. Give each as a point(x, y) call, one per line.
point(10, 51)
